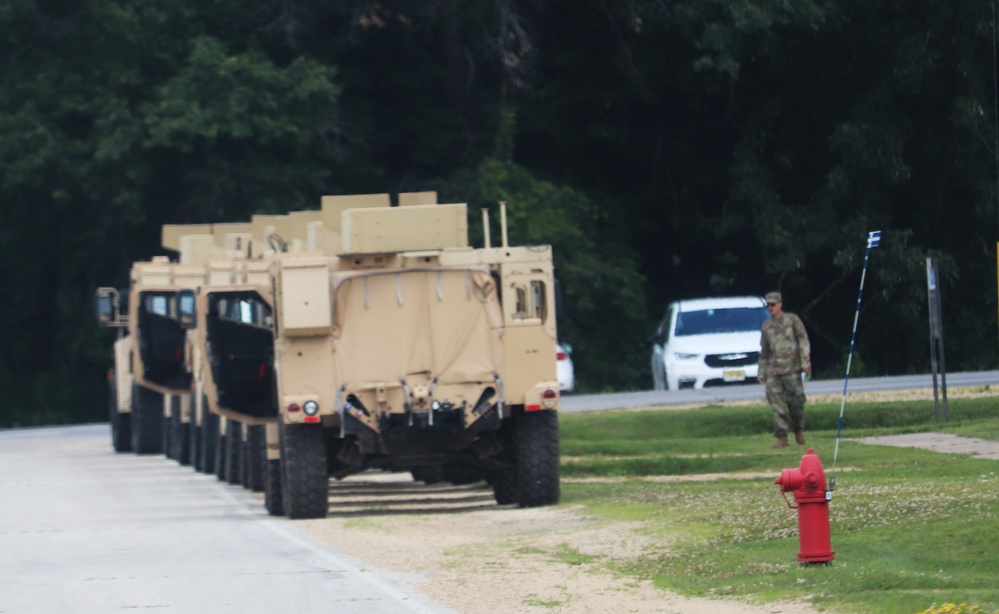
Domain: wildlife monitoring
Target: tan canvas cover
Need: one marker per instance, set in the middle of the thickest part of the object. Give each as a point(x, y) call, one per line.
point(390, 325)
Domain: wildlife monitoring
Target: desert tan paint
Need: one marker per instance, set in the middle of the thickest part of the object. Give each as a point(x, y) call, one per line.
point(346, 294)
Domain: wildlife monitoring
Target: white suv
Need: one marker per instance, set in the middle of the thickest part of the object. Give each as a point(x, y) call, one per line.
point(708, 342)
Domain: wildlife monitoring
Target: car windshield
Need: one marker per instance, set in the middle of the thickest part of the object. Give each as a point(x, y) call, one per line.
point(726, 320)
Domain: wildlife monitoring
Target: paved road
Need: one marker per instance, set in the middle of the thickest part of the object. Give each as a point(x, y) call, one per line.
point(83, 530)
point(654, 398)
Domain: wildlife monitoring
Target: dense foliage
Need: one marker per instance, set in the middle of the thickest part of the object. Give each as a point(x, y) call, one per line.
point(666, 150)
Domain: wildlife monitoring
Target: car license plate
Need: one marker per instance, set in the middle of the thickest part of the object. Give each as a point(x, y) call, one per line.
point(734, 375)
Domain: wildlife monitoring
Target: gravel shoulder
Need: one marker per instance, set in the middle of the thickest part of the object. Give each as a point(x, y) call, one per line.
point(477, 557)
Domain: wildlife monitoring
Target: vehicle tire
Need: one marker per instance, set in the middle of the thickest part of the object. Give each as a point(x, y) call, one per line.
point(147, 420)
point(220, 451)
point(195, 435)
point(166, 433)
point(504, 482)
point(209, 438)
point(255, 457)
point(273, 500)
point(121, 424)
point(537, 458)
point(180, 439)
point(504, 479)
point(233, 450)
point(306, 482)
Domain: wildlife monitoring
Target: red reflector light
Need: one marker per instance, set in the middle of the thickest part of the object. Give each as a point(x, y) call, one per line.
point(532, 407)
point(312, 419)
point(548, 394)
point(294, 407)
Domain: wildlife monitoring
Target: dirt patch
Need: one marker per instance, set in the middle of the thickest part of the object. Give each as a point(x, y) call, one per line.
point(477, 557)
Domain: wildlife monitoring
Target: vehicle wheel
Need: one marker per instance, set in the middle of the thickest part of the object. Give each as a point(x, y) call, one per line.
point(255, 457)
point(121, 424)
point(220, 450)
point(180, 439)
point(504, 482)
point(537, 458)
point(273, 500)
point(504, 479)
point(166, 433)
point(209, 438)
point(233, 449)
point(195, 434)
point(147, 420)
point(306, 482)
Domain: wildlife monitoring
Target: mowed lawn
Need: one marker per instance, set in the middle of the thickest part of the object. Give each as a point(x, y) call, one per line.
point(913, 530)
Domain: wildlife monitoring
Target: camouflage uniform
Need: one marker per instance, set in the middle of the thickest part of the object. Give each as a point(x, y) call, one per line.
point(784, 352)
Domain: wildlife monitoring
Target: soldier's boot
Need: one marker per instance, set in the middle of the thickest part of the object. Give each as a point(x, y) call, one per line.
point(781, 441)
point(799, 437)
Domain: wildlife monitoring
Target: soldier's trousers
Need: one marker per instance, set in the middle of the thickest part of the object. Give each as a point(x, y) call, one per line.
point(786, 394)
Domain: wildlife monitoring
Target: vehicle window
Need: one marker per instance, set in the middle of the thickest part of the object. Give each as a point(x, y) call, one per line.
point(157, 304)
point(714, 321)
point(530, 301)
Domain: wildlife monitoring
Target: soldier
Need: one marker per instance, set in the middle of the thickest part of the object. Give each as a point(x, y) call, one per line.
point(784, 355)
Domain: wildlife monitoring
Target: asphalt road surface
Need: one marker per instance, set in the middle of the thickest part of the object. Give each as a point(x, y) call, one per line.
point(84, 530)
point(748, 392)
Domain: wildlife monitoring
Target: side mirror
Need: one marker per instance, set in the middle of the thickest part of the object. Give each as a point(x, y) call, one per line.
point(657, 338)
point(108, 307)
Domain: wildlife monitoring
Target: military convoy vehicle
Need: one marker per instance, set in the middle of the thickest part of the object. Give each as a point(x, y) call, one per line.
point(149, 378)
point(367, 335)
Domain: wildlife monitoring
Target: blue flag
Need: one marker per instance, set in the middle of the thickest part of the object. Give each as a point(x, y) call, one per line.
point(873, 238)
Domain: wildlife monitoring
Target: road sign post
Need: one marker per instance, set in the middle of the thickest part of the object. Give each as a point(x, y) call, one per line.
point(937, 362)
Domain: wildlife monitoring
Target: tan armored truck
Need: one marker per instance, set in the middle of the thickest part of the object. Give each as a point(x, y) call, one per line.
point(398, 346)
point(386, 342)
point(149, 377)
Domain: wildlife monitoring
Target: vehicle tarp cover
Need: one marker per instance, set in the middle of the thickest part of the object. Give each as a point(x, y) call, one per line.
point(439, 322)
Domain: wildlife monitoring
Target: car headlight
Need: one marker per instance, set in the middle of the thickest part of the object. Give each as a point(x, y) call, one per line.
point(682, 356)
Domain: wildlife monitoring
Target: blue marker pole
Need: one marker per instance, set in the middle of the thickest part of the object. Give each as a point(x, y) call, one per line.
point(873, 240)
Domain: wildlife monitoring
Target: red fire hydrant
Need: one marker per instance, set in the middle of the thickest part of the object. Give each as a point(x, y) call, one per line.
point(808, 482)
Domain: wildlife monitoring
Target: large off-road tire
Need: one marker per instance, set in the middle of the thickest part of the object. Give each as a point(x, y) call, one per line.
point(254, 457)
point(220, 451)
point(504, 483)
point(180, 439)
point(233, 450)
point(537, 458)
point(147, 420)
point(166, 433)
point(194, 435)
point(273, 499)
point(121, 424)
point(209, 438)
point(306, 482)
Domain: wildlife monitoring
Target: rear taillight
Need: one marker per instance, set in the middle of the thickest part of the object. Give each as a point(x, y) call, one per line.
point(560, 356)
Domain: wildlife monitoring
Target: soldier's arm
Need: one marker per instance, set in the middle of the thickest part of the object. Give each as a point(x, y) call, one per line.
point(804, 346)
point(761, 375)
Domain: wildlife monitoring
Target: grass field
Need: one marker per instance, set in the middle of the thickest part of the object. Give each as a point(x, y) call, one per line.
point(913, 530)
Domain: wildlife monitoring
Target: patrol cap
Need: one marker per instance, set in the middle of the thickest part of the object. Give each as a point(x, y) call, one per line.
point(773, 297)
